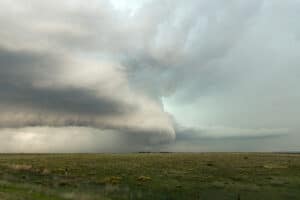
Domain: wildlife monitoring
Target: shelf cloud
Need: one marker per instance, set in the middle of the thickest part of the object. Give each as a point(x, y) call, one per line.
point(148, 75)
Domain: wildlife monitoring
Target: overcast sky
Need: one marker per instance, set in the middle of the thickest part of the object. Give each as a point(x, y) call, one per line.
point(149, 75)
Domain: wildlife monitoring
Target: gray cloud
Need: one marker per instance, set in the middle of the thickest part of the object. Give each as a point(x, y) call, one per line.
point(223, 70)
point(68, 139)
point(52, 83)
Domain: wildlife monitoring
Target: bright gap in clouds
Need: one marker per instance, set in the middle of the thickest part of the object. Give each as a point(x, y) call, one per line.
point(130, 7)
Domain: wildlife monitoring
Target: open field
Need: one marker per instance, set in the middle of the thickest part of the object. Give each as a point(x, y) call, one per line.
point(150, 176)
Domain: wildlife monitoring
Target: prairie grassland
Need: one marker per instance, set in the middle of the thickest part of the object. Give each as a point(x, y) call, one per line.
point(150, 176)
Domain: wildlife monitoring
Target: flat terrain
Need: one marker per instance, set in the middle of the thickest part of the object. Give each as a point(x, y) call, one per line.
point(150, 176)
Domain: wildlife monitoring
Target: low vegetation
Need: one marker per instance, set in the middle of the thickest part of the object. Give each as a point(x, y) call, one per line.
point(150, 176)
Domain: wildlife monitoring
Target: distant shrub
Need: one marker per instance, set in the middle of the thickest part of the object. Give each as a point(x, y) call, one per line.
point(112, 180)
point(46, 171)
point(21, 167)
point(144, 178)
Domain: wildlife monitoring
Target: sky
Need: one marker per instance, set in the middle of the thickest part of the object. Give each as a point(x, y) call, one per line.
point(149, 75)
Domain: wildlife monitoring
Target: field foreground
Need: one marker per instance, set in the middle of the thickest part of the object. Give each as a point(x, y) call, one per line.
point(150, 176)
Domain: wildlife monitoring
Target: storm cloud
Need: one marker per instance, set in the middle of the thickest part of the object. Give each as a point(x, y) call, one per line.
point(149, 75)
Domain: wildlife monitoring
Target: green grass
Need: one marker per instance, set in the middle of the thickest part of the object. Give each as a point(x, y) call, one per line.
point(150, 176)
